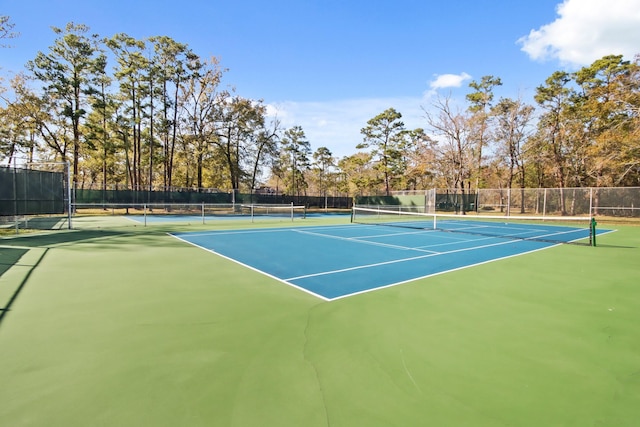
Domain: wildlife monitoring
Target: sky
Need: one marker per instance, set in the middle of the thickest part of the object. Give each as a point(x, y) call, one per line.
point(332, 65)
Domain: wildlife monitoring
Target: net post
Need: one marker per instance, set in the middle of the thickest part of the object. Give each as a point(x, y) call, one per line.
point(592, 231)
point(292, 211)
point(144, 212)
point(203, 213)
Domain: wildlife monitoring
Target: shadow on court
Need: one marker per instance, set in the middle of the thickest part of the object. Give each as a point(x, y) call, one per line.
point(56, 238)
point(10, 257)
point(14, 249)
point(26, 251)
point(615, 246)
point(5, 307)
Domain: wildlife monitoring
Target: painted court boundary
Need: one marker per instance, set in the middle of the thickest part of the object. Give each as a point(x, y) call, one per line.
point(249, 267)
point(363, 268)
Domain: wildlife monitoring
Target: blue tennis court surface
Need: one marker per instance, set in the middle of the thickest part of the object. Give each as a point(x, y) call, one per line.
point(337, 261)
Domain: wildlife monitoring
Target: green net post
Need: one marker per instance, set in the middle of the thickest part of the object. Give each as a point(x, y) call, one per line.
point(592, 231)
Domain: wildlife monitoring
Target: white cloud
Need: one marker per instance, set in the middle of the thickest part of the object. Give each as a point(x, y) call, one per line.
point(586, 30)
point(337, 124)
point(444, 81)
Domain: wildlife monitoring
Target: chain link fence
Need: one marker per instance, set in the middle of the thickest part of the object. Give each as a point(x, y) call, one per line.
point(616, 202)
point(32, 198)
point(613, 202)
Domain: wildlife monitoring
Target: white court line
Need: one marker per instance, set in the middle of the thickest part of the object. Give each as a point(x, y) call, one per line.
point(527, 232)
point(438, 273)
point(439, 235)
point(221, 233)
point(263, 230)
point(458, 241)
point(362, 267)
point(357, 239)
point(480, 227)
point(252, 268)
point(371, 236)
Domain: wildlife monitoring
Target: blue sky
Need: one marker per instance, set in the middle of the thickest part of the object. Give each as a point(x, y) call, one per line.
point(329, 66)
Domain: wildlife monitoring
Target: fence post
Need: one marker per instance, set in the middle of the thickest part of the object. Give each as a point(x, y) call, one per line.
point(69, 203)
point(15, 199)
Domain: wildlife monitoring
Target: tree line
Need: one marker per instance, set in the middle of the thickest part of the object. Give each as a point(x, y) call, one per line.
point(150, 114)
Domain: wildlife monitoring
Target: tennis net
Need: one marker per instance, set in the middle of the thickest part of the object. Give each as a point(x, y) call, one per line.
point(578, 230)
point(201, 210)
point(274, 210)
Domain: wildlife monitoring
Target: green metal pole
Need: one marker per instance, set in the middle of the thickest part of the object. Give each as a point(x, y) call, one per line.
point(593, 231)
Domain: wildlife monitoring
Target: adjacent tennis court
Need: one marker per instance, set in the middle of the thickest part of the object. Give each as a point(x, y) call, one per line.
point(337, 261)
point(198, 213)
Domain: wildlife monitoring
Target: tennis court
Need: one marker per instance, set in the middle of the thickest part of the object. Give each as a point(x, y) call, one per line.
point(338, 261)
point(114, 323)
